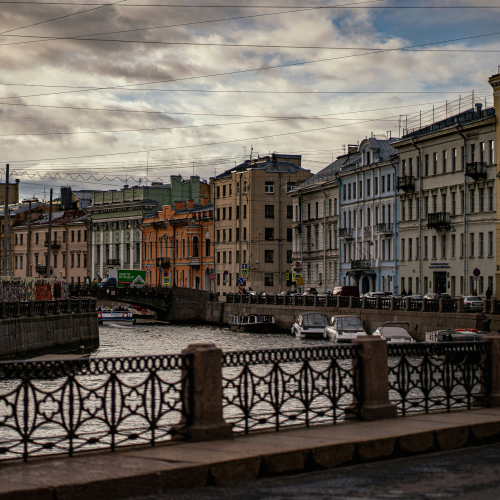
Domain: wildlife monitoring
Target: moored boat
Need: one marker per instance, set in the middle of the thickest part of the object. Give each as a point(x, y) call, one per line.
point(115, 316)
point(252, 323)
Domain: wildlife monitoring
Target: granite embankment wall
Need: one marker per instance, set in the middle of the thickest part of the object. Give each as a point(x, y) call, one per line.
point(420, 322)
point(25, 334)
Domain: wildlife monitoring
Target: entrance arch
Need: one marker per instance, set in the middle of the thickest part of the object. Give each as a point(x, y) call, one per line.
point(365, 284)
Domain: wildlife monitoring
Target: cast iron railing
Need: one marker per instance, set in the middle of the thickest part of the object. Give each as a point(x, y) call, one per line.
point(64, 407)
point(273, 389)
point(406, 183)
point(371, 302)
point(450, 305)
point(399, 304)
point(38, 308)
point(361, 264)
point(343, 302)
point(384, 227)
point(437, 377)
point(385, 303)
point(432, 305)
point(63, 306)
point(415, 304)
point(439, 220)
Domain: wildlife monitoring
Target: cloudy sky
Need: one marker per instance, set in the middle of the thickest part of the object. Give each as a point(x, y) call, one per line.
point(151, 88)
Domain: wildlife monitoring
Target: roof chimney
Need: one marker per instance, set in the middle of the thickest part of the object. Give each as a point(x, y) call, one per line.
point(204, 200)
point(478, 108)
point(190, 204)
point(180, 205)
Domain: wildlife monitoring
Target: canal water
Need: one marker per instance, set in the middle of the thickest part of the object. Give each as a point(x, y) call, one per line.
point(145, 340)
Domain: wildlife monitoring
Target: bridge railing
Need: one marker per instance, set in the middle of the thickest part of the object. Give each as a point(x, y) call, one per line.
point(65, 407)
point(46, 307)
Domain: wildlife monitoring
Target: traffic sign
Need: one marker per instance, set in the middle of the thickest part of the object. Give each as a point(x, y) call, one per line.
point(166, 281)
point(298, 264)
point(244, 266)
point(240, 281)
point(148, 273)
point(148, 267)
point(299, 281)
point(165, 273)
point(240, 289)
point(226, 273)
point(476, 272)
point(244, 272)
point(212, 277)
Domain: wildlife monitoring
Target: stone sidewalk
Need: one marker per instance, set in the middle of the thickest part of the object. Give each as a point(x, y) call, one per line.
point(149, 471)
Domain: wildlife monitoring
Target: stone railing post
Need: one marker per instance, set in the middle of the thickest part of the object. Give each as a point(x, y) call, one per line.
point(375, 379)
point(494, 339)
point(31, 308)
point(424, 304)
point(363, 303)
point(3, 310)
point(295, 299)
point(350, 301)
point(58, 306)
point(460, 305)
point(203, 395)
point(316, 301)
point(407, 303)
point(18, 309)
point(393, 304)
point(486, 304)
point(377, 302)
point(493, 304)
point(45, 310)
point(90, 306)
point(441, 305)
point(79, 305)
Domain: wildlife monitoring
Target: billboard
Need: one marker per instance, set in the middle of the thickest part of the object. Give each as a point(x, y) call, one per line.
point(131, 277)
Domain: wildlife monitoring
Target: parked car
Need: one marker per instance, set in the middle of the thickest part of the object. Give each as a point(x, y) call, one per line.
point(436, 296)
point(346, 291)
point(255, 292)
point(374, 294)
point(311, 291)
point(344, 328)
point(472, 303)
point(394, 334)
point(310, 325)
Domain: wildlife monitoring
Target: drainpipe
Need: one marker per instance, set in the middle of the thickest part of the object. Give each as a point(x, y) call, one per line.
point(339, 184)
point(281, 225)
point(301, 205)
point(396, 232)
point(419, 166)
point(464, 247)
point(324, 239)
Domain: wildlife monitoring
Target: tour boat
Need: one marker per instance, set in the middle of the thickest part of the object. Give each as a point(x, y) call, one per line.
point(252, 323)
point(115, 317)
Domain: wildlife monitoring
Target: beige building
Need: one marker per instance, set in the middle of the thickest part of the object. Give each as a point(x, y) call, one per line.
point(69, 247)
point(253, 214)
point(446, 236)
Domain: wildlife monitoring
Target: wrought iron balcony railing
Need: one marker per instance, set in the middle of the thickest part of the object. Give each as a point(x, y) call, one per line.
point(439, 220)
point(347, 233)
point(385, 228)
point(113, 262)
point(476, 170)
point(361, 264)
point(406, 183)
point(163, 262)
point(368, 231)
point(41, 269)
point(53, 245)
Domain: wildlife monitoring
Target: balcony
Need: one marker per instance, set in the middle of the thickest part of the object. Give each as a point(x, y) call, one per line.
point(346, 233)
point(112, 262)
point(439, 220)
point(406, 183)
point(41, 269)
point(53, 245)
point(361, 264)
point(476, 170)
point(368, 232)
point(384, 228)
point(163, 262)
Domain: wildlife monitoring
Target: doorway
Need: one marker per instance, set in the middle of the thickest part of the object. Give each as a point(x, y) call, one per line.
point(440, 282)
point(197, 282)
point(365, 284)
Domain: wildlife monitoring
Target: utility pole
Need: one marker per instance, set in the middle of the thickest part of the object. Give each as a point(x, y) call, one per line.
point(6, 242)
point(28, 244)
point(49, 240)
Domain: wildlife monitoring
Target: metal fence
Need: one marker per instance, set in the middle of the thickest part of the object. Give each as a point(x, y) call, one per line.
point(278, 388)
point(63, 407)
point(437, 377)
point(37, 308)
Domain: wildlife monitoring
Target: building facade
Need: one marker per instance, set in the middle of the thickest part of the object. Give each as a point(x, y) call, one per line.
point(367, 216)
point(177, 245)
point(70, 247)
point(315, 230)
point(253, 213)
point(116, 239)
point(447, 196)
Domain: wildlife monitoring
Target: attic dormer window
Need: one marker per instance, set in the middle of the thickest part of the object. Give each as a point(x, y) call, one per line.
point(368, 158)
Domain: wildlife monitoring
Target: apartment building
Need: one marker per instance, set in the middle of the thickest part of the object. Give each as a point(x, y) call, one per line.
point(367, 207)
point(70, 247)
point(447, 196)
point(253, 222)
point(315, 229)
point(177, 245)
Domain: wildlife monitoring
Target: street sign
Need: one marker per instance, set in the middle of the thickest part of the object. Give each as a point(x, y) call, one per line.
point(166, 281)
point(148, 273)
point(212, 277)
point(148, 267)
point(244, 266)
point(240, 281)
point(476, 272)
point(240, 289)
point(226, 273)
point(297, 264)
point(299, 281)
point(244, 272)
point(165, 273)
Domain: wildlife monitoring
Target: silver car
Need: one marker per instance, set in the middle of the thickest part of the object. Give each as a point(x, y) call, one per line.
point(344, 329)
point(473, 304)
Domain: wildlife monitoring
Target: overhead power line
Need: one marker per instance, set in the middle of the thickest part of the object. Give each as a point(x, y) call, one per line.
point(286, 65)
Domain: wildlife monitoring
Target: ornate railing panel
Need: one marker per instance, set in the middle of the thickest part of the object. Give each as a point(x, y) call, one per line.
point(63, 306)
point(289, 300)
point(280, 300)
point(332, 301)
point(309, 300)
point(64, 407)
point(432, 305)
point(38, 309)
point(245, 299)
point(371, 302)
point(10, 309)
point(299, 300)
point(437, 377)
point(450, 305)
point(399, 304)
point(357, 302)
point(51, 307)
point(74, 305)
point(415, 304)
point(25, 308)
point(279, 388)
point(343, 301)
point(385, 303)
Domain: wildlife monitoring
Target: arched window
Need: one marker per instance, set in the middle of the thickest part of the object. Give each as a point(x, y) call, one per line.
point(195, 246)
point(207, 243)
point(183, 248)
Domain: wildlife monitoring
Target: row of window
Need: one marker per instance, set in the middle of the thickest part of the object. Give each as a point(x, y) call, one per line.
point(317, 277)
point(77, 261)
point(228, 278)
point(332, 210)
point(268, 256)
point(479, 287)
point(227, 189)
point(481, 244)
point(383, 182)
point(186, 248)
point(108, 251)
point(19, 238)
